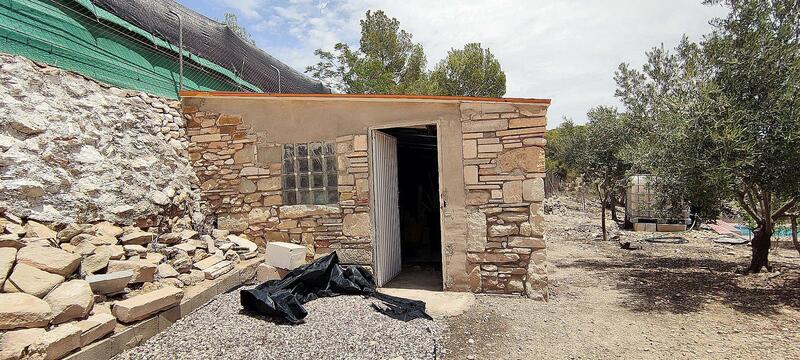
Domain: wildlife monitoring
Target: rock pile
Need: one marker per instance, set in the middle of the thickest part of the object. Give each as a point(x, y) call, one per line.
point(63, 287)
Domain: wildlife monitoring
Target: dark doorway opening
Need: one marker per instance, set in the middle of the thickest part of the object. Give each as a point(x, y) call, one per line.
point(420, 224)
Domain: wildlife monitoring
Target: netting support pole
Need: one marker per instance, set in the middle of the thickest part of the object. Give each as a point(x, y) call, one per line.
point(180, 49)
point(279, 77)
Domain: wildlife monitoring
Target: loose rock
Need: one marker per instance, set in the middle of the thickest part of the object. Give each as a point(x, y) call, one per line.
point(167, 271)
point(191, 278)
point(218, 269)
point(266, 272)
point(143, 271)
point(7, 258)
point(57, 342)
point(50, 259)
point(10, 240)
point(72, 230)
point(135, 251)
point(138, 238)
point(38, 230)
point(115, 252)
point(110, 283)
point(94, 263)
point(14, 344)
point(208, 262)
point(95, 327)
point(107, 228)
point(140, 307)
point(30, 280)
point(23, 311)
point(243, 243)
point(70, 300)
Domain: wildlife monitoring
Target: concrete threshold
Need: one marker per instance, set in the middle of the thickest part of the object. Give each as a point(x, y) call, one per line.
point(438, 303)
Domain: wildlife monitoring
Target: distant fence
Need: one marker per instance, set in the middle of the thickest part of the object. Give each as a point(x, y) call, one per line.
point(77, 36)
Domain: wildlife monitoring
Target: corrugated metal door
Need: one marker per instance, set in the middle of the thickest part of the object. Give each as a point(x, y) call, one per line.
point(386, 210)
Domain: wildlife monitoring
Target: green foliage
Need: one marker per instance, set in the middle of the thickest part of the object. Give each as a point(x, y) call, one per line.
point(389, 62)
point(601, 162)
point(233, 23)
point(753, 113)
point(715, 122)
point(592, 152)
point(751, 122)
point(719, 121)
point(566, 146)
point(472, 71)
point(660, 100)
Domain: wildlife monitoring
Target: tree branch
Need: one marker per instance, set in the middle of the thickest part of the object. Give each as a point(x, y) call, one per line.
point(740, 199)
point(754, 205)
point(786, 207)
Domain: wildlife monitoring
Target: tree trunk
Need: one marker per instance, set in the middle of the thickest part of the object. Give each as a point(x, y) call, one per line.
point(583, 199)
point(762, 239)
point(613, 204)
point(603, 222)
point(603, 202)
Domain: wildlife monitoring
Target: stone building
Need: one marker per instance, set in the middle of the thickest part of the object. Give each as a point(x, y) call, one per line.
point(416, 185)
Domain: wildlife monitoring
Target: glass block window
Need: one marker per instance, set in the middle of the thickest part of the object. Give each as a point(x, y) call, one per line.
point(309, 174)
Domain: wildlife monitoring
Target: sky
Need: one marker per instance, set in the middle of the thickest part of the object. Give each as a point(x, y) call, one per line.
point(564, 50)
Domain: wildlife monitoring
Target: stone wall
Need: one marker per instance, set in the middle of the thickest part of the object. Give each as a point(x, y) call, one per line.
point(75, 150)
point(240, 182)
point(503, 148)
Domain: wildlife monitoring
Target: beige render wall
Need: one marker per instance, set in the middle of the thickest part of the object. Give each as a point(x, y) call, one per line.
point(239, 170)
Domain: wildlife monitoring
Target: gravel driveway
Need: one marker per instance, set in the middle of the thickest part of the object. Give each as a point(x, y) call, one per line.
point(344, 327)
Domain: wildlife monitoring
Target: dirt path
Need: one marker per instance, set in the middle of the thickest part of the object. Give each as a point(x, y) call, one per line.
point(662, 302)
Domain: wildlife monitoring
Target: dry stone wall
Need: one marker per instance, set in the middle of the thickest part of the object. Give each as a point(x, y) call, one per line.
point(240, 180)
point(74, 150)
point(503, 147)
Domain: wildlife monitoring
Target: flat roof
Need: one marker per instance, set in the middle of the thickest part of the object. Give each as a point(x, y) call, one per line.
point(378, 97)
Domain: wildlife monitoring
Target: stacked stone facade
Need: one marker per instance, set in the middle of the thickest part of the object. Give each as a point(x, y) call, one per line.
point(503, 147)
point(240, 181)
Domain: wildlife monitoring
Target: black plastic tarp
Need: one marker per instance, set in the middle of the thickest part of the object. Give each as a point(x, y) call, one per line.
point(324, 277)
point(213, 41)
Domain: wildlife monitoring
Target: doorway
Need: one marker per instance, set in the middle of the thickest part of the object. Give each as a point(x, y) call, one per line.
point(408, 242)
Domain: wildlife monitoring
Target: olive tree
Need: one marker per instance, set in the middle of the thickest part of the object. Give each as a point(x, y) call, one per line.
point(471, 71)
point(387, 61)
point(601, 161)
point(720, 120)
point(752, 122)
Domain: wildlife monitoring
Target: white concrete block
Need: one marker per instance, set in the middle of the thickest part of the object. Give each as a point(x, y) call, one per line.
point(285, 255)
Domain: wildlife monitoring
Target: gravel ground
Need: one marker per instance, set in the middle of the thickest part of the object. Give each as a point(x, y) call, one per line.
point(344, 327)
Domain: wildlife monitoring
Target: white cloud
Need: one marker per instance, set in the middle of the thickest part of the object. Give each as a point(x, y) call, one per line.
point(248, 8)
point(565, 50)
